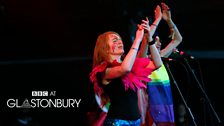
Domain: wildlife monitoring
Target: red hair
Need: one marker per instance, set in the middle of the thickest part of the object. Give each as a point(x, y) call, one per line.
point(101, 48)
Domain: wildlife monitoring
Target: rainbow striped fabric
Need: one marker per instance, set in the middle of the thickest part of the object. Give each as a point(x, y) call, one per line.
point(160, 96)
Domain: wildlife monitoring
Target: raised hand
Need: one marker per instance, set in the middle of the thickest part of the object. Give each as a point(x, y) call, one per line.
point(139, 32)
point(145, 25)
point(166, 12)
point(157, 12)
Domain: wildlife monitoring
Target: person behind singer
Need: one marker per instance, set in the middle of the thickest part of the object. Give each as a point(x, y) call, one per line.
point(116, 80)
point(160, 103)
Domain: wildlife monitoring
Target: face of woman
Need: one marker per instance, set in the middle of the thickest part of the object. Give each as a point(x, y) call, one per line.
point(115, 45)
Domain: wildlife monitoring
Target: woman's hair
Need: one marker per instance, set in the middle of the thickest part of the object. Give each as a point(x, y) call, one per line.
point(102, 48)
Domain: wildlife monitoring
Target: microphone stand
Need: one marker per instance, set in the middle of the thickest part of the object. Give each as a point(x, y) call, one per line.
point(214, 112)
point(175, 83)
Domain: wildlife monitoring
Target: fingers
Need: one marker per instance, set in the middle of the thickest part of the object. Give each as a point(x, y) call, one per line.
point(158, 9)
point(146, 27)
point(165, 7)
point(145, 22)
point(143, 26)
point(147, 19)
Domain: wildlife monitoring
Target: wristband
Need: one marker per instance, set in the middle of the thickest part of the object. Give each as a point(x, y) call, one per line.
point(151, 43)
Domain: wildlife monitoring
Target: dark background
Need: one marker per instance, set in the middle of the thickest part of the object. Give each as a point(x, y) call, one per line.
point(48, 45)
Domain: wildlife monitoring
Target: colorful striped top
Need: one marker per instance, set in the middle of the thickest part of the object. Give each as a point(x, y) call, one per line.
point(160, 96)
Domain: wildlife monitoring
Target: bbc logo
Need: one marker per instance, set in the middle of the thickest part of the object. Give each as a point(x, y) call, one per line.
point(39, 93)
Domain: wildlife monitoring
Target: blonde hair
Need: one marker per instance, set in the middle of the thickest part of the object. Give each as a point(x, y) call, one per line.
point(102, 48)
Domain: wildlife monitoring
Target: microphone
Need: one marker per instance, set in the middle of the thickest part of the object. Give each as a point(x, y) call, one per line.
point(182, 54)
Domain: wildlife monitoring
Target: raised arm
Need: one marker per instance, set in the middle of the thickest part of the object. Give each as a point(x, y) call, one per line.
point(157, 62)
point(128, 61)
point(130, 57)
point(155, 55)
point(158, 16)
point(175, 34)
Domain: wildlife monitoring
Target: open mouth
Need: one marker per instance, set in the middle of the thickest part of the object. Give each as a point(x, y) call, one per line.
point(120, 47)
